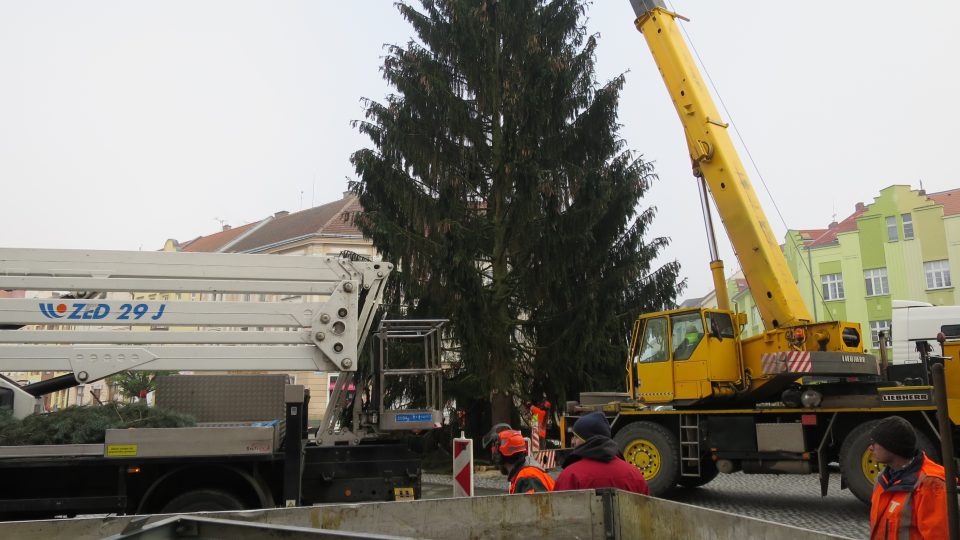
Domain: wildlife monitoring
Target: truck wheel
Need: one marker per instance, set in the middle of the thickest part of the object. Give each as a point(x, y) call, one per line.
point(858, 466)
point(653, 450)
point(708, 471)
point(202, 500)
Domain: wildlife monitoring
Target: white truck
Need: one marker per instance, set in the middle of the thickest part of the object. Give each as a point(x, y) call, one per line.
point(915, 321)
point(251, 448)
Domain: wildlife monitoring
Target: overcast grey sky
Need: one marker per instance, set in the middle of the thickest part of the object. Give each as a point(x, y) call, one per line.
point(124, 123)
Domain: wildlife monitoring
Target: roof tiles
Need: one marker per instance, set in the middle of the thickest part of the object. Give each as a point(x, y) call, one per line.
point(214, 242)
point(319, 220)
point(950, 200)
point(334, 219)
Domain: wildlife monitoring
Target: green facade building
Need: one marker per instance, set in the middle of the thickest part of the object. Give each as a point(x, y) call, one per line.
point(905, 245)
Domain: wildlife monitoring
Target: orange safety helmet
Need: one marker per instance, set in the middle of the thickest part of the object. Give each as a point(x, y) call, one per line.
point(510, 442)
point(504, 442)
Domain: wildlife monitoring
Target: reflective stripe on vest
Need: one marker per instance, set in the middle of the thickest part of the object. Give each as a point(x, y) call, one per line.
point(906, 514)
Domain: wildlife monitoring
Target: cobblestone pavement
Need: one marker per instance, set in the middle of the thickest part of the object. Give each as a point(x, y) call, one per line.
point(788, 499)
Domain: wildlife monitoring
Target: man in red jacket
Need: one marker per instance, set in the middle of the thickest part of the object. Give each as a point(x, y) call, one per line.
point(595, 461)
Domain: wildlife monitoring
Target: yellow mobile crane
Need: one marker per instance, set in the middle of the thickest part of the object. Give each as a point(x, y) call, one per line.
point(700, 400)
point(793, 346)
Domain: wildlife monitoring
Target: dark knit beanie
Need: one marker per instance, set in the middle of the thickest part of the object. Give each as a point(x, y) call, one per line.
point(592, 424)
point(896, 435)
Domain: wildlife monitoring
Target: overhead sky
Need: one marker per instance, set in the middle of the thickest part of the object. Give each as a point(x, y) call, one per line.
point(124, 123)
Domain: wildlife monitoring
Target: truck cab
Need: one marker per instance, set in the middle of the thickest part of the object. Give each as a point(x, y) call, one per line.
point(683, 356)
point(915, 321)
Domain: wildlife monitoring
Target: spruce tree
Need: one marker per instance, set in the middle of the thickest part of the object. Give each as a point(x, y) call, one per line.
point(133, 384)
point(498, 183)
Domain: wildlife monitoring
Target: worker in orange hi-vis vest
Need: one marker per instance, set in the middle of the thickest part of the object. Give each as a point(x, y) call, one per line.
point(508, 451)
point(908, 499)
point(538, 424)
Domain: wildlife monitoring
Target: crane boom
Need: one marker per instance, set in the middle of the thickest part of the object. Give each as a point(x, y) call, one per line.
point(715, 160)
point(685, 357)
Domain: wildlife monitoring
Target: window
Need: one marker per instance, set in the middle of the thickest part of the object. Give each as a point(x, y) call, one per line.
point(938, 274)
point(892, 234)
point(720, 325)
point(950, 331)
point(876, 280)
point(654, 342)
point(907, 226)
point(832, 286)
point(687, 334)
point(880, 326)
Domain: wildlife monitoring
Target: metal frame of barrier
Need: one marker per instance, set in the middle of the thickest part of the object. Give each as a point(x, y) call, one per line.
point(602, 514)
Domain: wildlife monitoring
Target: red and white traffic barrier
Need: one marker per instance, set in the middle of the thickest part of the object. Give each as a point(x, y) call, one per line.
point(462, 466)
point(534, 439)
point(547, 459)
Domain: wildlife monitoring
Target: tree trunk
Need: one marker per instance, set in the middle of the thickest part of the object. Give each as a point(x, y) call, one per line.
point(501, 408)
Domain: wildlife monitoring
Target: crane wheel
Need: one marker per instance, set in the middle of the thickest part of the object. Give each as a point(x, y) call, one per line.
point(202, 500)
point(858, 466)
point(653, 450)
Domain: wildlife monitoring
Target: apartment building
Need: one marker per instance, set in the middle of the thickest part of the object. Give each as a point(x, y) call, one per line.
point(904, 245)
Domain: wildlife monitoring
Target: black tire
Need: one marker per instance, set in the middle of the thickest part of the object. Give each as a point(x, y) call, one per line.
point(202, 500)
point(655, 451)
point(708, 471)
point(853, 459)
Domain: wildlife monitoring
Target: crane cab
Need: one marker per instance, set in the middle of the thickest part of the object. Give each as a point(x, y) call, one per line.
point(683, 356)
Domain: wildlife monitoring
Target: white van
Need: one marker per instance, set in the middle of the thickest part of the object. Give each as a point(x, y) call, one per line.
point(914, 320)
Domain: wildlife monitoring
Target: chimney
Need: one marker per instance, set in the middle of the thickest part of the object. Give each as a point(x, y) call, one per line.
point(226, 227)
point(281, 214)
point(347, 194)
point(861, 206)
